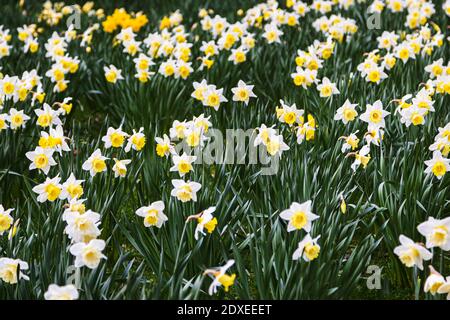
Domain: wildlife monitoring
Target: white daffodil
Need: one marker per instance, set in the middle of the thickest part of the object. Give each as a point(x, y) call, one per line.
point(438, 165)
point(362, 157)
point(205, 220)
point(183, 163)
point(49, 190)
point(17, 119)
point(221, 278)
point(89, 254)
point(299, 216)
point(136, 141)
point(112, 74)
point(374, 115)
point(95, 163)
point(11, 270)
point(243, 92)
point(72, 188)
point(114, 138)
point(437, 232)
point(185, 191)
point(308, 248)
point(120, 167)
point(6, 220)
point(276, 146)
point(411, 253)
point(82, 227)
point(153, 214)
point(347, 112)
point(163, 146)
point(41, 159)
point(264, 135)
point(350, 143)
point(47, 116)
point(434, 281)
point(213, 98)
point(67, 292)
point(327, 88)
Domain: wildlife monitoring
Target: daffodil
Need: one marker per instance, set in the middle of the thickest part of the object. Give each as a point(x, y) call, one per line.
point(205, 220)
point(6, 220)
point(112, 74)
point(374, 115)
point(182, 164)
point(88, 254)
point(114, 138)
point(308, 249)
point(136, 141)
point(438, 165)
point(243, 92)
point(327, 88)
point(67, 292)
point(437, 232)
point(49, 190)
point(185, 191)
point(221, 278)
point(95, 163)
point(153, 214)
point(11, 270)
point(299, 216)
point(72, 188)
point(41, 159)
point(17, 119)
point(82, 227)
point(411, 253)
point(163, 146)
point(347, 112)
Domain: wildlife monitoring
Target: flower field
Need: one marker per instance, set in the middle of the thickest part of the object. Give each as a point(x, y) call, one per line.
point(225, 149)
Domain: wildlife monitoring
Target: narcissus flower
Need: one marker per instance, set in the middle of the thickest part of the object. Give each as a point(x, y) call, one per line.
point(327, 88)
point(163, 146)
point(153, 214)
point(95, 163)
point(88, 254)
point(276, 146)
point(136, 141)
point(47, 116)
point(5, 219)
point(272, 33)
point(437, 232)
point(289, 114)
point(205, 220)
point(11, 270)
point(17, 119)
point(221, 278)
point(72, 188)
point(41, 159)
point(434, 281)
point(411, 253)
point(183, 163)
point(308, 249)
point(82, 227)
point(213, 97)
point(67, 292)
point(347, 112)
point(362, 157)
point(112, 74)
point(114, 138)
point(120, 167)
point(350, 143)
point(49, 190)
point(438, 165)
point(374, 115)
point(185, 191)
point(243, 92)
point(299, 216)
